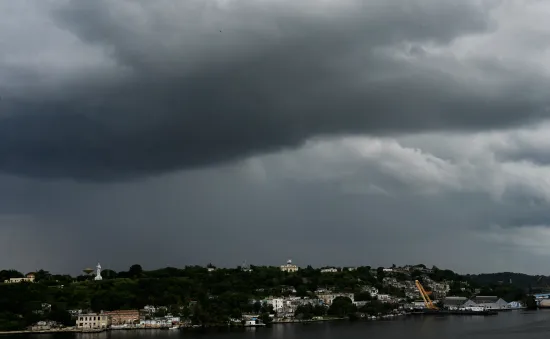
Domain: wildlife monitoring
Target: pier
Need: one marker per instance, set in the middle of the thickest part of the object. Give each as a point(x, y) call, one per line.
point(457, 312)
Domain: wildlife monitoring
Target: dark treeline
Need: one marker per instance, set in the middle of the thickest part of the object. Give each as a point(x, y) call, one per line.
point(203, 297)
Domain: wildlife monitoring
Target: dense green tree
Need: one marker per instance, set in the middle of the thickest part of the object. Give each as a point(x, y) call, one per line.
point(61, 316)
point(362, 296)
point(266, 318)
point(257, 307)
point(376, 308)
point(341, 307)
point(531, 303)
point(135, 271)
point(380, 274)
point(8, 274)
point(41, 275)
point(304, 312)
point(108, 274)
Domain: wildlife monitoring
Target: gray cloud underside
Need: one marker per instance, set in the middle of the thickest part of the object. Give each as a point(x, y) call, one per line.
point(174, 92)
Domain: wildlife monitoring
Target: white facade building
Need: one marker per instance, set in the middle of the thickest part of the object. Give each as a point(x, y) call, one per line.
point(28, 278)
point(289, 267)
point(92, 321)
point(329, 270)
point(491, 302)
point(277, 303)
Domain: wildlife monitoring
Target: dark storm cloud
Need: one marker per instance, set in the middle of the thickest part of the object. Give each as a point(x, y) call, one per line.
point(184, 94)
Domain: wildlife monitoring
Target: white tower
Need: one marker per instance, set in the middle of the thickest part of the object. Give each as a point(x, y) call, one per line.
point(98, 273)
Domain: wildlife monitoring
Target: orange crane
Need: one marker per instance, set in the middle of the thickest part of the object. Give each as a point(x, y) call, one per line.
point(427, 301)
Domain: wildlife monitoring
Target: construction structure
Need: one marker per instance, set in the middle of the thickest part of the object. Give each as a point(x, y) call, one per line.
point(427, 301)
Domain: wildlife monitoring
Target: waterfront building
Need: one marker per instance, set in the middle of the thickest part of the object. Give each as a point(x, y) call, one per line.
point(44, 326)
point(289, 267)
point(515, 305)
point(93, 321)
point(123, 317)
point(454, 303)
point(28, 278)
point(156, 322)
point(491, 302)
point(484, 302)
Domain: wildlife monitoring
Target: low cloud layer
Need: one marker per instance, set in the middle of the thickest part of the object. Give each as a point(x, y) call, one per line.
point(350, 201)
point(101, 90)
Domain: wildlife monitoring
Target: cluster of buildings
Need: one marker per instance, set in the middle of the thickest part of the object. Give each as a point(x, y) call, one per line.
point(479, 302)
point(438, 291)
point(285, 307)
point(121, 319)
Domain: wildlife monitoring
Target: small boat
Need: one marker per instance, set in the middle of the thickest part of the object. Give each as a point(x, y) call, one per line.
point(175, 327)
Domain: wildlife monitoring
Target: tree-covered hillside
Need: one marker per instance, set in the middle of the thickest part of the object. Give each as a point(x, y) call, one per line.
point(208, 295)
point(521, 280)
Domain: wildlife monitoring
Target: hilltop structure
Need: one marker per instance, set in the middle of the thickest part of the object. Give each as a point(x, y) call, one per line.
point(98, 273)
point(289, 267)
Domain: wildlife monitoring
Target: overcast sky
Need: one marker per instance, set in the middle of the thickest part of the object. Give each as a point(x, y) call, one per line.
point(330, 132)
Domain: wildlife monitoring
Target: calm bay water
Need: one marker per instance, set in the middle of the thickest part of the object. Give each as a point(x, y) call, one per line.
point(515, 324)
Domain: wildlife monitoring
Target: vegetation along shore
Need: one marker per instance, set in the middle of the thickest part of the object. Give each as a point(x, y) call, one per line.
point(196, 296)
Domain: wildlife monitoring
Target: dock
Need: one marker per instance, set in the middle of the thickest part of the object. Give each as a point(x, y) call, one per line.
point(447, 312)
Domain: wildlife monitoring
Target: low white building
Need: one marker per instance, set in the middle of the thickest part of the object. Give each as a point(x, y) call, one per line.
point(93, 321)
point(491, 302)
point(157, 322)
point(277, 303)
point(29, 278)
point(515, 305)
point(329, 270)
point(454, 303)
point(477, 303)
